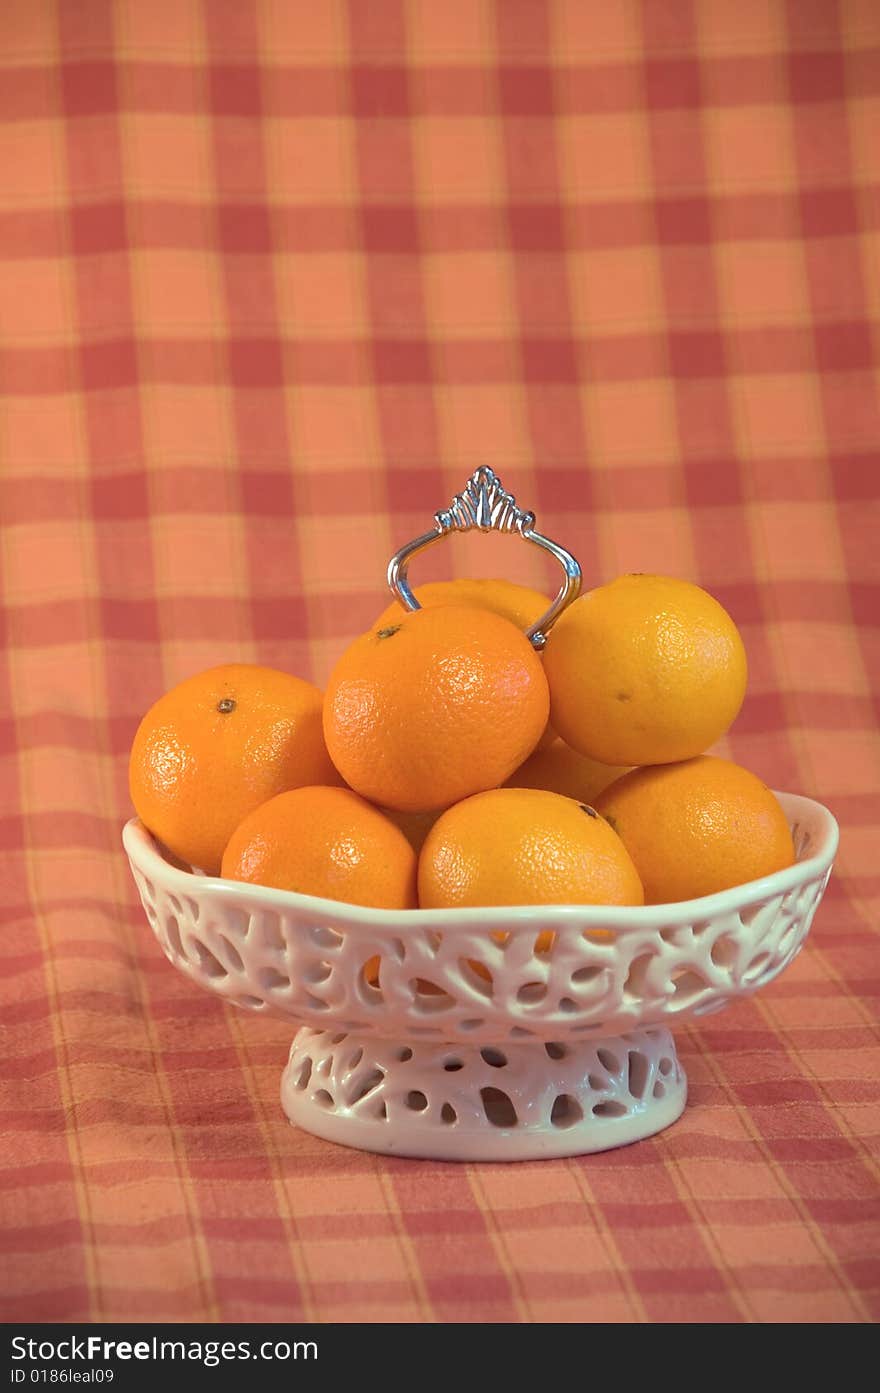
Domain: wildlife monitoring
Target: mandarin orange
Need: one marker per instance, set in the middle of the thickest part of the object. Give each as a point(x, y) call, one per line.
point(693, 828)
point(218, 745)
point(414, 826)
point(440, 704)
point(326, 842)
point(560, 769)
point(518, 603)
point(515, 846)
point(645, 670)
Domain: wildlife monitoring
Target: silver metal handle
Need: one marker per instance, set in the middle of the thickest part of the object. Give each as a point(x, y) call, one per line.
point(486, 505)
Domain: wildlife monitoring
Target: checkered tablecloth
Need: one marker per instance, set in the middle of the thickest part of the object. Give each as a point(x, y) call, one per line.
point(275, 277)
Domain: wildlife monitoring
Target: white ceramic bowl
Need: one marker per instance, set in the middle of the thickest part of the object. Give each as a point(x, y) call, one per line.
point(474, 1043)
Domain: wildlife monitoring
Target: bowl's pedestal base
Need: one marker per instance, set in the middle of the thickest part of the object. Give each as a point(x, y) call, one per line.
point(483, 1103)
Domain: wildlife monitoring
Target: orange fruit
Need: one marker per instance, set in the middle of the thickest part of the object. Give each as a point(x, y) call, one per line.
point(520, 846)
point(560, 769)
point(326, 842)
point(693, 828)
point(414, 826)
point(518, 603)
point(217, 746)
point(645, 670)
point(440, 704)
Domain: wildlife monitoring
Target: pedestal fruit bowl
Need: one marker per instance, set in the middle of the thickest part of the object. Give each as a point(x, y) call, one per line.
point(473, 1043)
point(491, 1033)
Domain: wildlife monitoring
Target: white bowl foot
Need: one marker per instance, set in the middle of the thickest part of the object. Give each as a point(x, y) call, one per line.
point(483, 1103)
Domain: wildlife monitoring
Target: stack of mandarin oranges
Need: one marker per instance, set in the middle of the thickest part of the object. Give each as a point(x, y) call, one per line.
point(450, 765)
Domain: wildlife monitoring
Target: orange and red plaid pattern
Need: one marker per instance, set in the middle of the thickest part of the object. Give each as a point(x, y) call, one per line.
point(275, 277)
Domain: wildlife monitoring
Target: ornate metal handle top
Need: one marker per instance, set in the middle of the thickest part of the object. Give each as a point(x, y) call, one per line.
point(485, 504)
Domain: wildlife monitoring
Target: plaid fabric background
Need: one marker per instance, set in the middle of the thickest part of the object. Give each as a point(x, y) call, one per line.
point(276, 276)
